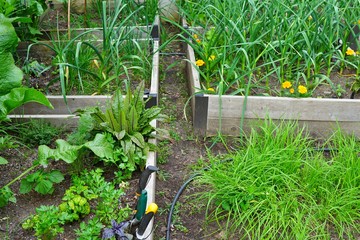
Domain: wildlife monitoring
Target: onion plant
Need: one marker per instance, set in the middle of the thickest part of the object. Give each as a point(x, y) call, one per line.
point(272, 41)
point(281, 185)
point(84, 62)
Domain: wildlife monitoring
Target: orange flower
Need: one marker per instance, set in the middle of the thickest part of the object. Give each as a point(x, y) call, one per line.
point(198, 40)
point(199, 63)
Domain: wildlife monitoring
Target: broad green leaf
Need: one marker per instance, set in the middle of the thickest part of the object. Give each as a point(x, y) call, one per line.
point(19, 96)
point(8, 37)
point(56, 176)
point(3, 161)
point(123, 123)
point(44, 187)
point(148, 115)
point(25, 186)
point(98, 116)
point(115, 126)
point(120, 135)
point(126, 145)
point(117, 104)
point(138, 139)
point(64, 151)
point(100, 146)
point(10, 75)
point(34, 176)
point(133, 120)
point(138, 99)
point(44, 153)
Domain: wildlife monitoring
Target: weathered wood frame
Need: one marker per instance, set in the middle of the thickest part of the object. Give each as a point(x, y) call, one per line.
point(213, 113)
point(64, 114)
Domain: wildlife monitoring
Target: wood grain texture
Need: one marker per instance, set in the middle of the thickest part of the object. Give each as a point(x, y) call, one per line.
point(312, 109)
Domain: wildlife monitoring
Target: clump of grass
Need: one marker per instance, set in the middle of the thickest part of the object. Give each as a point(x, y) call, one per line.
point(279, 187)
point(37, 132)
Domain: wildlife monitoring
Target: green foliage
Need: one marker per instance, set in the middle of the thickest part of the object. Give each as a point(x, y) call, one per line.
point(89, 189)
point(6, 196)
point(12, 95)
point(68, 153)
point(47, 222)
point(87, 66)
point(6, 142)
point(19, 96)
point(89, 230)
point(10, 75)
point(37, 132)
point(278, 185)
point(42, 182)
point(124, 126)
point(253, 43)
point(28, 9)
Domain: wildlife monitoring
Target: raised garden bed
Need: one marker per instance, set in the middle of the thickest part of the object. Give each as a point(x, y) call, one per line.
point(37, 51)
point(64, 114)
point(214, 113)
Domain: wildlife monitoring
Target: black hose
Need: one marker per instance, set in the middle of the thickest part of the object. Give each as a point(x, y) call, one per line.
point(176, 198)
point(178, 194)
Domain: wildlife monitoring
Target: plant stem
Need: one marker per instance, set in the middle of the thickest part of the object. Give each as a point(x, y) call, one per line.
point(21, 175)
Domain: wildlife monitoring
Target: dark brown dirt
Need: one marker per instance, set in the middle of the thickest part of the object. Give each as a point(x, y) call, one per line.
point(182, 153)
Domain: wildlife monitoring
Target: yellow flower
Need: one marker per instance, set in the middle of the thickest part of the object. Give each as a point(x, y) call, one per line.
point(195, 36)
point(359, 21)
point(350, 52)
point(198, 40)
point(302, 89)
point(286, 84)
point(210, 89)
point(212, 57)
point(291, 90)
point(310, 18)
point(199, 63)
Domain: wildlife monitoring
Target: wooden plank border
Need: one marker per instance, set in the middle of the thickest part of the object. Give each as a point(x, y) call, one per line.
point(64, 114)
point(224, 113)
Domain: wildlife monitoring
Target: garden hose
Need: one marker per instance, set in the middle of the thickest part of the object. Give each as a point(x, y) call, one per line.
point(178, 194)
point(176, 198)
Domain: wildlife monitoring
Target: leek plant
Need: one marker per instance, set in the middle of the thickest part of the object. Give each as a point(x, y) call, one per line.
point(84, 62)
point(272, 41)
